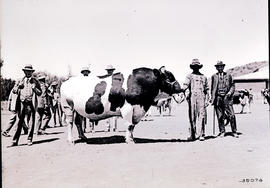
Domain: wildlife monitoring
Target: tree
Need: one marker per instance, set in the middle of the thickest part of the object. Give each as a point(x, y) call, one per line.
point(6, 87)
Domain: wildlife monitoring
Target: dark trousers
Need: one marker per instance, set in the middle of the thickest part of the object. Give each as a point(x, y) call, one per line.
point(56, 109)
point(27, 110)
point(43, 115)
point(12, 121)
point(225, 110)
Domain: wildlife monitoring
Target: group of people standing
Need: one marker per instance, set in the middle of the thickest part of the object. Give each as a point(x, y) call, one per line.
point(196, 88)
point(32, 100)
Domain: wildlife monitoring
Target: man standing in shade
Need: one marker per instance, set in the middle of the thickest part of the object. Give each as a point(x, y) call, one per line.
point(27, 89)
point(222, 90)
point(54, 97)
point(43, 108)
point(197, 95)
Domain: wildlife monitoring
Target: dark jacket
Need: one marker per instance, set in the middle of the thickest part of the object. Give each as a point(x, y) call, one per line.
point(229, 85)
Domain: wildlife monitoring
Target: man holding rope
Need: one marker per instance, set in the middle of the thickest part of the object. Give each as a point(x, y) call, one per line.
point(197, 96)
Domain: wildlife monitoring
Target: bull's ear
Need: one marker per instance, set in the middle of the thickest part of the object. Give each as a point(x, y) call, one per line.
point(156, 72)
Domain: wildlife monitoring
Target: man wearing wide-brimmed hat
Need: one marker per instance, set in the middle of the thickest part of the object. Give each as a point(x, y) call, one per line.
point(27, 89)
point(85, 71)
point(222, 90)
point(110, 70)
point(197, 95)
point(43, 108)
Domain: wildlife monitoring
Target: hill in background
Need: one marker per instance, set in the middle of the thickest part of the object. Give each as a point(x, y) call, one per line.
point(248, 68)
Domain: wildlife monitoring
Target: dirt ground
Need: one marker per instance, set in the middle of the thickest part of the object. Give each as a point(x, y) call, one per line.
point(161, 157)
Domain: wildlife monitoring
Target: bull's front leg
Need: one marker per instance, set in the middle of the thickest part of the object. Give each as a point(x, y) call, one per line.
point(129, 134)
point(132, 115)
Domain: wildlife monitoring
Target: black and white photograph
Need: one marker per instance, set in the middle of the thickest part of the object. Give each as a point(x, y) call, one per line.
point(135, 93)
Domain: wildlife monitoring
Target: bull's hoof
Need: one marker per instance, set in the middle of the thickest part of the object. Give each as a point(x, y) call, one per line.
point(82, 137)
point(71, 142)
point(130, 141)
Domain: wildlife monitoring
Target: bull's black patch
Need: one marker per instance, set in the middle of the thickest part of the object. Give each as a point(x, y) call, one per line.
point(142, 87)
point(117, 93)
point(94, 104)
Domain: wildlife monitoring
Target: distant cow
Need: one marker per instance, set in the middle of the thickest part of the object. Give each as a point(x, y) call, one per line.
point(266, 94)
point(242, 97)
point(164, 102)
point(126, 95)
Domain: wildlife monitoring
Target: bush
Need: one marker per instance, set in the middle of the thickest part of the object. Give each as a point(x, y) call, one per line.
point(6, 87)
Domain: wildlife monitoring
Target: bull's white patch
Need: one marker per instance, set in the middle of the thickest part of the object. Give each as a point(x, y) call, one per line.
point(80, 89)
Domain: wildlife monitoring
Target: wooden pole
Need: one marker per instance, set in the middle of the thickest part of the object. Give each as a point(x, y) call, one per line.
point(214, 132)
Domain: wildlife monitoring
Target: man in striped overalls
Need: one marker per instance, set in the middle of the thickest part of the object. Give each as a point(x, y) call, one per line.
point(196, 87)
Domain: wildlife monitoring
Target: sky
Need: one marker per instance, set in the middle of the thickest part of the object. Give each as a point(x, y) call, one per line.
point(54, 35)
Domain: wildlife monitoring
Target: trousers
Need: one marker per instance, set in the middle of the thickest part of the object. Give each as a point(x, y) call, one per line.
point(197, 115)
point(224, 110)
point(27, 110)
point(43, 114)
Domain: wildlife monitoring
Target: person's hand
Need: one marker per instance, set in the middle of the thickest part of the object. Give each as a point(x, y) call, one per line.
point(20, 85)
point(227, 96)
point(33, 85)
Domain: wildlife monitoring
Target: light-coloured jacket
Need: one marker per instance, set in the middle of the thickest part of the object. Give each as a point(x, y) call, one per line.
point(36, 90)
point(12, 101)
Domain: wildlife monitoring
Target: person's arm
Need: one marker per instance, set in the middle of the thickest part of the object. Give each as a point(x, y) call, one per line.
point(36, 87)
point(18, 85)
point(206, 92)
point(186, 87)
point(232, 87)
point(212, 94)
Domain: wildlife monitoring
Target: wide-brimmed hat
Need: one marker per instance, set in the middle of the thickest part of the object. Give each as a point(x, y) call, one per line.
point(28, 67)
point(110, 67)
point(40, 77)
point(85, 69)
point(195, 63)
point(219, 63)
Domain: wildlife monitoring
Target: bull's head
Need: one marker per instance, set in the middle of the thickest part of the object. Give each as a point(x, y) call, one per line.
point(168, 83)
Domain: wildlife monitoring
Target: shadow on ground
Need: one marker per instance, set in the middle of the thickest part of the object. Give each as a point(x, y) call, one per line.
point(53, 133)
point(37, 142)
point(45, 141)
point(121, 139)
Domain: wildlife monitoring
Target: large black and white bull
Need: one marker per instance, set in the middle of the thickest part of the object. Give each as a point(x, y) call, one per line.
point(126, 95)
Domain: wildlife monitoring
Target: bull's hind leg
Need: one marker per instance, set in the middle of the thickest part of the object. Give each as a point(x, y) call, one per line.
point(68, 111)
point(69, 121)
point(78, 123)
point(127, 112)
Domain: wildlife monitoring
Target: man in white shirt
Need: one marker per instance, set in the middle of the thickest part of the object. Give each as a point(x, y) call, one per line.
point(27, 89)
